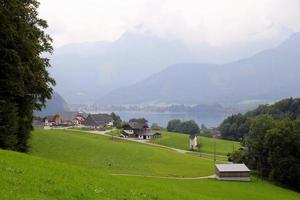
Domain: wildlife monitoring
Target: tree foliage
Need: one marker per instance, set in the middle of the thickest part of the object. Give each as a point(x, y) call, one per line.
point(237, 126)
point(272, 148)
point(282, 143)
point(234, 127)
point(139, 120)
point(24, 81)
point(117, 120)
point(155, 126)
point(188, 127)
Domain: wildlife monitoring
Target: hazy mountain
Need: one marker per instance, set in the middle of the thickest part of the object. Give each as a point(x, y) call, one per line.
point(53, 106)
point(269, 75)
point(85, 72)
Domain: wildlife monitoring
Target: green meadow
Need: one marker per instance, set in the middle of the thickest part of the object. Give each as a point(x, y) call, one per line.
point(115, 155)
point(75, 165)
point(181, 141)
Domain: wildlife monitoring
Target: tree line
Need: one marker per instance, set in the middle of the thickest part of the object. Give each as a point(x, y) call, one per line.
point(237, 126)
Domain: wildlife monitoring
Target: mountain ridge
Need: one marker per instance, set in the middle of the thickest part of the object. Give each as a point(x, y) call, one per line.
point(274, 69)
point(85, 72)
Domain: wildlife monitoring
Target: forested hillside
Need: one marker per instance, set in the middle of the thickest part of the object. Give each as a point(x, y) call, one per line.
point(264, 77)
point(237, 126)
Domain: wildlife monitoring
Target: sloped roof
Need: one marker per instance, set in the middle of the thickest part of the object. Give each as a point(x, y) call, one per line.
point(136, 125)
point(232, 168)
point(193, 137)
point(69, 116)
point(98, 119)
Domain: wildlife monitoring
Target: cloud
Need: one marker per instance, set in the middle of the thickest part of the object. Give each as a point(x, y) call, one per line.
point(214, 22)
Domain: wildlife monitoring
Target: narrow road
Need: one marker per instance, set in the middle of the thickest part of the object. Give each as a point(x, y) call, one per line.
point(166, 177)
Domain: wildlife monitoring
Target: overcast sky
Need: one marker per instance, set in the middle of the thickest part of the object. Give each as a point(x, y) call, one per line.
point(215, 22)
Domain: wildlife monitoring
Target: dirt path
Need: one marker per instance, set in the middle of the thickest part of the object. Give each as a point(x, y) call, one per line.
point(166, 177)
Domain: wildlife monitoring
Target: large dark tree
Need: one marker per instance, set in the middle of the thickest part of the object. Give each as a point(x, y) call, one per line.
point(24, 81)
point(174, 125)
point(117, 120)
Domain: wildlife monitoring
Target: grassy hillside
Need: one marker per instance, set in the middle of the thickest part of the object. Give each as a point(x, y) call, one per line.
point(181, 141)
point(24, 177)
point(115, 155)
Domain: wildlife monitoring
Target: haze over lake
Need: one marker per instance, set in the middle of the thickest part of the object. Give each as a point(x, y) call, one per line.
point(162, 118)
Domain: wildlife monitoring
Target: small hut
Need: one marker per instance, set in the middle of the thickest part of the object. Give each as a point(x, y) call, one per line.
point(238, 172)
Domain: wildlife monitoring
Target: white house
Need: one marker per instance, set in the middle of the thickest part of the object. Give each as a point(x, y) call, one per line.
point(193, 142)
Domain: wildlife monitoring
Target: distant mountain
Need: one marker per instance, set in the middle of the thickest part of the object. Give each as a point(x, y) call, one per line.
point(88, 71)
point(269, 75)
point(53, 106)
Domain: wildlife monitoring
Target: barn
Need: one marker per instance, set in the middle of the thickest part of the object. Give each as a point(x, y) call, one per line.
point(237, 172)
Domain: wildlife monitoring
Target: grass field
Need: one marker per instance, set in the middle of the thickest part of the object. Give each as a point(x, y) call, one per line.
point(25, 177)
point(181, 141)
point(115, 155)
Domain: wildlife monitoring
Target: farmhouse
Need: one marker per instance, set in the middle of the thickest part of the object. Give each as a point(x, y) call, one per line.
point(239, 172)
point(138, 130)
point(96, 121)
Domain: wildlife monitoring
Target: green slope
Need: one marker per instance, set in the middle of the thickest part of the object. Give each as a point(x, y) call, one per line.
point(181, 141)
point(114, 155)
point(24, 177)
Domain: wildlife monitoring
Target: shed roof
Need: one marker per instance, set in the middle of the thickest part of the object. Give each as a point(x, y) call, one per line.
point(135, 125)
point(232, 168)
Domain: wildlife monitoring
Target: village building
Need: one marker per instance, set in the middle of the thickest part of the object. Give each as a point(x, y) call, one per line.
point(74, 118)
point(98, 121)
point(239, 172)
point(148, 136)
point(138, 130)
point(52, 120)
point(193, 142)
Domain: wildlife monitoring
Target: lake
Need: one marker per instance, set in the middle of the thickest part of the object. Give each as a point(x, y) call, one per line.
point(208, 119)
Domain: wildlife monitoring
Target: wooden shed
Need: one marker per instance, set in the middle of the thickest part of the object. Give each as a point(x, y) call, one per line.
point(238, 172)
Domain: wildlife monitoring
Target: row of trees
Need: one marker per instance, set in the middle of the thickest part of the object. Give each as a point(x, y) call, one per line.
point(118, 122)
point(188, 127)
point(237, 126)
point(24, 81)
point(272, 148)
